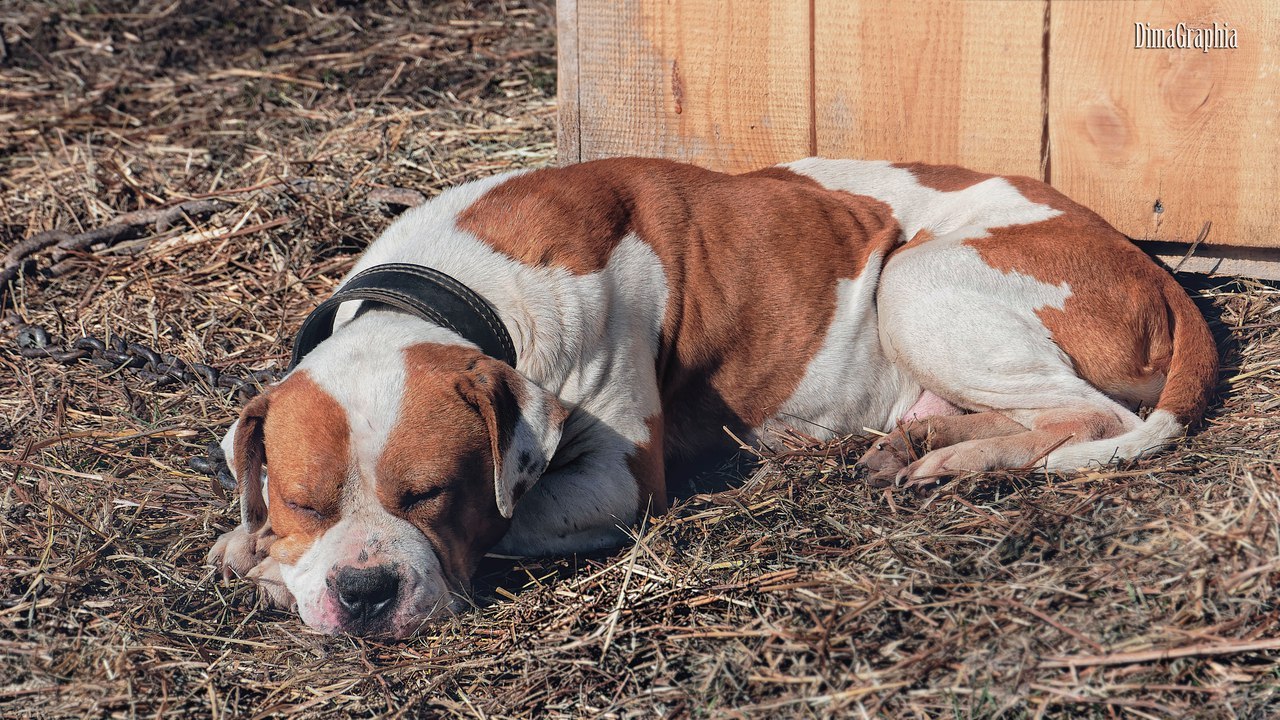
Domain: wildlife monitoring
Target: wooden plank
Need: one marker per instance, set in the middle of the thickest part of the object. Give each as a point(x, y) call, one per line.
point(1256, 262)
point(568, 122)
point(933, 80)
point(722, 84)
point(1195, 131)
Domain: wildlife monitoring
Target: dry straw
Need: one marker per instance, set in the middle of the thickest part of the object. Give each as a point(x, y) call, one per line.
point(1145, 591)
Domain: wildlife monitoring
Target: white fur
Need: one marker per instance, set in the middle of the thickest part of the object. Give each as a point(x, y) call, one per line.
point(850, 384)
point(989, 204)
point(956, 323)
point(970, 334)
point(362, 367)
point(366, 527)
point(611, 384)
point(1150, 436)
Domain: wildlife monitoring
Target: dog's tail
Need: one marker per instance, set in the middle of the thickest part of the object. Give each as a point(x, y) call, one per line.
point(1193, 370)
point(1188, 387)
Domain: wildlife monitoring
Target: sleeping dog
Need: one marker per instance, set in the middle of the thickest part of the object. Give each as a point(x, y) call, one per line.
point(517, 365)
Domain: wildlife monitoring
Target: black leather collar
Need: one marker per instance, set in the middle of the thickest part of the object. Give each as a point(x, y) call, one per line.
point(421, 291)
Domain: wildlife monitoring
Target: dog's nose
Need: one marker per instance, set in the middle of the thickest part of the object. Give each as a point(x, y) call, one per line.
point(366, 593)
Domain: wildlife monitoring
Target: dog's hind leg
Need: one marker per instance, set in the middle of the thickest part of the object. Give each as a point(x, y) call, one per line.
point(1050, 430)
point(972, 335)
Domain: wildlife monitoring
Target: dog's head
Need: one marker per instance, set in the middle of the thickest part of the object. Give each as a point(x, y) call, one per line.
point(386, 475)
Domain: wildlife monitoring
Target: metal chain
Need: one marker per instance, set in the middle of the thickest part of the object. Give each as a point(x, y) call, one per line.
point(161, 369)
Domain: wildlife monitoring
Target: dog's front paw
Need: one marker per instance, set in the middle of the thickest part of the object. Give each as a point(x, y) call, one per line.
point(886, 457)
point(240, 551)
point(266, 575)
point(247, 554)
point(939, 467)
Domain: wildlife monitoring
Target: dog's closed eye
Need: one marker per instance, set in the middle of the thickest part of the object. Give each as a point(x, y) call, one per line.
point(306, 510)
point(414, 499)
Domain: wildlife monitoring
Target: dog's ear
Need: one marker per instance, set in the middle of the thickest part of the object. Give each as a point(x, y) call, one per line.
point(524, 423)
point(247, 458)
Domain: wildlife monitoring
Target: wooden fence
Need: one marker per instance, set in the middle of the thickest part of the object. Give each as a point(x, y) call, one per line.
point(1159, 141)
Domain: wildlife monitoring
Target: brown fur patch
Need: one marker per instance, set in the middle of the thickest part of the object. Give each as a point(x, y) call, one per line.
point(784, 174)
point(752, 263)
point(570, 218)
point(305, 437)
point(1121, 324)
point(250, 458)
point(944, 178)
point(648, 468)
point(441, 453)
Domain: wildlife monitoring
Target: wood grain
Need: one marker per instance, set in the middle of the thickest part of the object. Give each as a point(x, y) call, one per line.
point(935, 81)
point(1054, 90)
point(1196, 131)
point(568, 119)
point(719, 83)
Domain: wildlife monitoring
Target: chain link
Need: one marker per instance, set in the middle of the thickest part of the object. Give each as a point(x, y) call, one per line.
point(160, 369)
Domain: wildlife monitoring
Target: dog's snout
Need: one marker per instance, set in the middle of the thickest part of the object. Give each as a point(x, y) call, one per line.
point(366, 594)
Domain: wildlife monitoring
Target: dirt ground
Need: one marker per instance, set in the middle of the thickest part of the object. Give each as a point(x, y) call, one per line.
point(1146, 590)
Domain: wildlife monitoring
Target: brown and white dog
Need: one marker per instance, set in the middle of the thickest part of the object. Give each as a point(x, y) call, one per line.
point(652, 304)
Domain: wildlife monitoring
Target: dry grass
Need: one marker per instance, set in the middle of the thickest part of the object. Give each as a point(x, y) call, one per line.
point(1144, 591)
